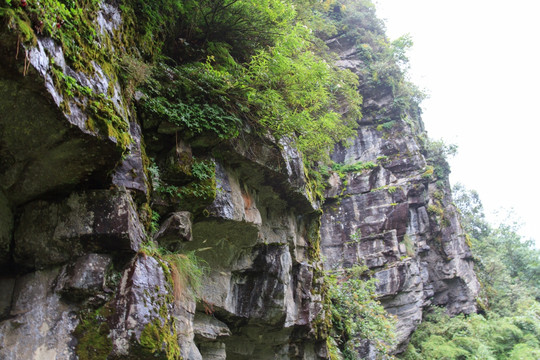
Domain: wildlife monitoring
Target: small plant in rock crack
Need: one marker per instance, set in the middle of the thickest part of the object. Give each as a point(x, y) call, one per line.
point(187, 270)
point(356, 237)
point(409, 245)
point(154, 224)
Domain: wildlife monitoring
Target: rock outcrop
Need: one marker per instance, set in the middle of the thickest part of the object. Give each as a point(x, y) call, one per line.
point(79, 279)
point(100, 206)
point(396, 217)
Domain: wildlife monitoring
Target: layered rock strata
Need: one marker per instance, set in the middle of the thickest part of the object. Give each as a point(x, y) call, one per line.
point(396, 216)
point(83, 255)
point(81, 277)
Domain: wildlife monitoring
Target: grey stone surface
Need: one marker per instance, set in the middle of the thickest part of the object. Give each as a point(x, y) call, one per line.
point(84, 277)
point(40, 154)
point(207, 328)
point(40, 325)
point(184, 315)
point(262, 294)
point(141, 299)
point(175, 230)
point(261, 286)
point(51, 233)
point(233, 201)
point(213, 351)
point(129, 174)
point(379, 217)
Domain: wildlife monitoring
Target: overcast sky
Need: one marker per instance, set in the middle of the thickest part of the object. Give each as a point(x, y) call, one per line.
point(479, 61)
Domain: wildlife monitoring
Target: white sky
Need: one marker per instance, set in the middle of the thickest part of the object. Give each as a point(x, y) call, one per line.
point(479, 61)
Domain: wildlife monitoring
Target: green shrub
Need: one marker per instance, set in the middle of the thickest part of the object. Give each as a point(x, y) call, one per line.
point(386, 126)
point(296, 92)
point(195, 97)
point(437, 154)
point(356, 167)
point(473, 337)
point(357, 314)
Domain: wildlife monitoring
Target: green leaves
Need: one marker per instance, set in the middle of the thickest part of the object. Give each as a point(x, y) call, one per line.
point(476, 336)
point(437, 154)
point(356, 167)
point(288, 87)
point(357, 314)
point(196, 97)
point(295, 92)
point(245, 25)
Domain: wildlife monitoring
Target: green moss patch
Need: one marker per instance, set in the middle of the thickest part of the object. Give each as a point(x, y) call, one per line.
point(159, 340)
point(92, 335)
point(103, 118)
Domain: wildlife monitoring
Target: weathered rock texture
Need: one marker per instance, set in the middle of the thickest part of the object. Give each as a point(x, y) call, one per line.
point(82, 277)
point(397, 218)
point(80, 280)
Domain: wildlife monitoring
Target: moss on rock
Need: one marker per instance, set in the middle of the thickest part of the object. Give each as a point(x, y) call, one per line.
point(92, 336)
point(159, 340)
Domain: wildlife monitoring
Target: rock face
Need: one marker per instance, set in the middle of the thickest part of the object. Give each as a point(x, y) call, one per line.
point(84, 279)
point(258, 225)
point(40, 324)
point(97, 225)
point(396, 217)
point(52, 233)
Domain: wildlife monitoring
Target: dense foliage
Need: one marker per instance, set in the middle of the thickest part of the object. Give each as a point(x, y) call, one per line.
point(234, 62)
point(195, 97)
point(508, 323)
point(357, 315)
point(229, 63)
point(437, 153)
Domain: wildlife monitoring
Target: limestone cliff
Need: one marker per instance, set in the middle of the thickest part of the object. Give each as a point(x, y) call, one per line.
point(88, 220)
point(396, 217)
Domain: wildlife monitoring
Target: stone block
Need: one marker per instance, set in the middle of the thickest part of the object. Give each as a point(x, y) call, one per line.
point(175, 230)
point(209, 328)
point(84, 277)
point(50, 233)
